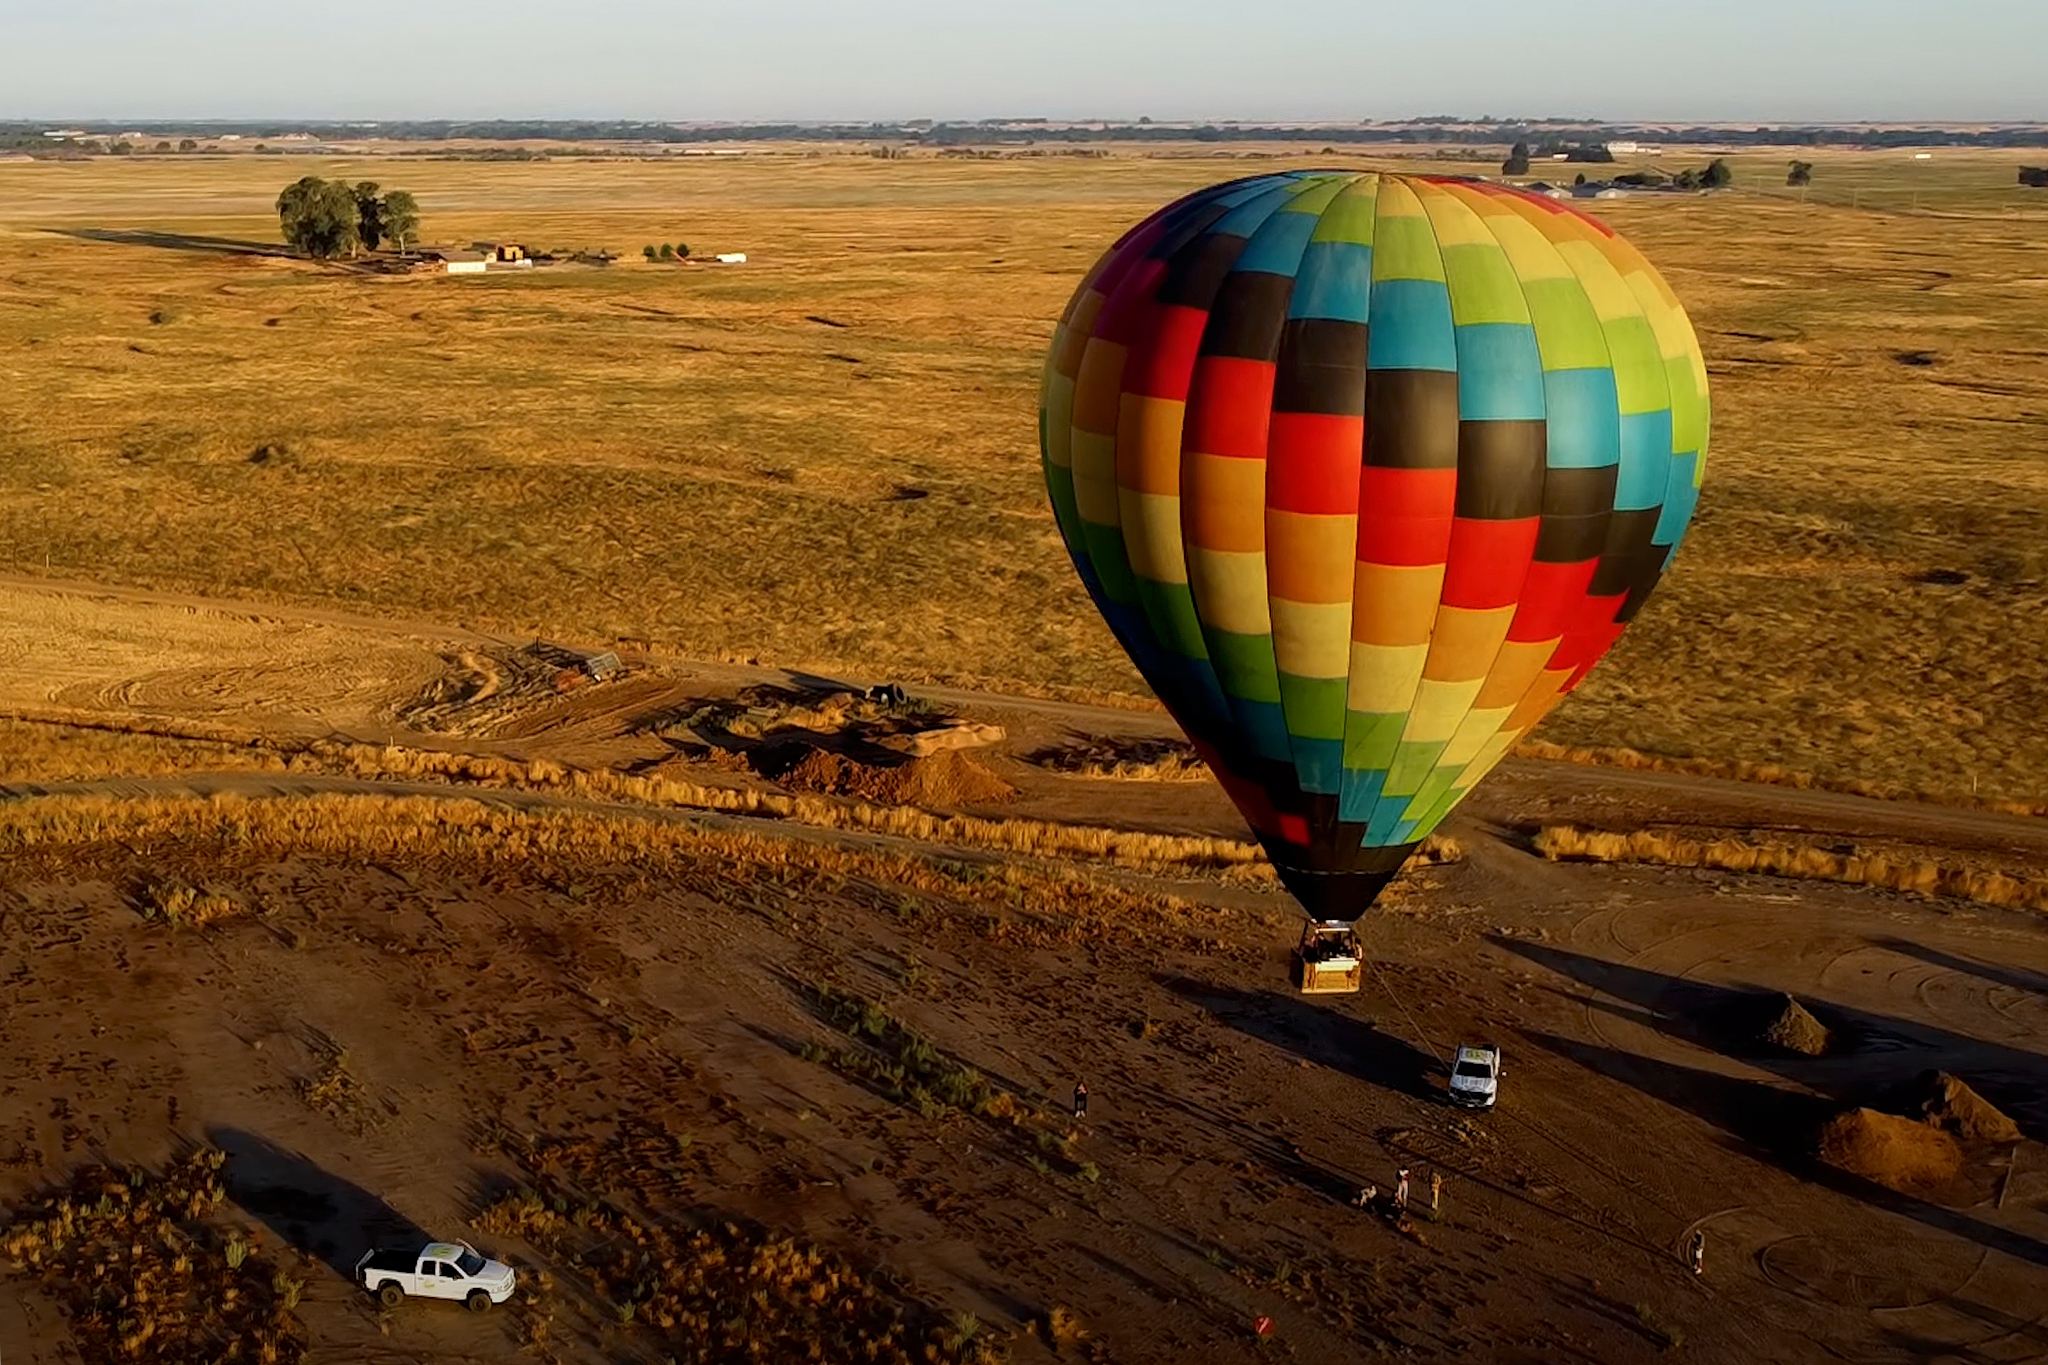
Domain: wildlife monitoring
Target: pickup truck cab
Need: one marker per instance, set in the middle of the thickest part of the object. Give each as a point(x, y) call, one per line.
point(438, 1270)
point(1475, 1076)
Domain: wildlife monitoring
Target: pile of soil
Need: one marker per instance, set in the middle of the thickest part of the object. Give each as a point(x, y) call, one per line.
point(945, 779)
point(960, 735)
point(1794, 1029)
point(1944, 1101)
point(1897, 1153)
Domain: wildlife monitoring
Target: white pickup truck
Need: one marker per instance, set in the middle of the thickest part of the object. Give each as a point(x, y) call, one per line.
point(1475, 1076)
point(438, 1270)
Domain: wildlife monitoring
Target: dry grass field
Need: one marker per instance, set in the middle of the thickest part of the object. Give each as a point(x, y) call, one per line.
point(827, 456)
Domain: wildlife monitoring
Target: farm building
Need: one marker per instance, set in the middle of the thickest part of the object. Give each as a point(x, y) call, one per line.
point(454, 261)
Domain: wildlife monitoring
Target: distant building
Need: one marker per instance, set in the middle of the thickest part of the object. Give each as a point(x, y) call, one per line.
point(454, 260)
point(731, 258)
point(1625, 147)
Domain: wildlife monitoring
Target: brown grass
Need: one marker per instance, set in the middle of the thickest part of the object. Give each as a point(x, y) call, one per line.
point(143, 1274)
point(1128, 760)
point(1768, 774)
point(1035, 838)
point(1561, 843)
point(512, 451)
point(1003, 902)
point(33, 751)
point(612, 1215)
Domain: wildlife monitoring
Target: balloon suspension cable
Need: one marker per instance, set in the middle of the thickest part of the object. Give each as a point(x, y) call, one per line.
point(1380, 977)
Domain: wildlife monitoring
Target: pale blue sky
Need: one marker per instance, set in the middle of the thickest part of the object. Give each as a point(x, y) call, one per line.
point(1768, 60)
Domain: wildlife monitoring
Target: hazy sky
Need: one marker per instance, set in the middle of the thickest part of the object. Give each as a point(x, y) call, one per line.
point(1769, 60)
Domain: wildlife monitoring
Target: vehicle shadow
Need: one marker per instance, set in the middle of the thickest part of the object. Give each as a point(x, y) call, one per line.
point(309, 1209)
point(174, 241)
point(1323, 1034)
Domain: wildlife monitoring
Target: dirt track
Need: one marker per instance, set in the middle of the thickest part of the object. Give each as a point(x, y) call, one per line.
point(1231, 1120)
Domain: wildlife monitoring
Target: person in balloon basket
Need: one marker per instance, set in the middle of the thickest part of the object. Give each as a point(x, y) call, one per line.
point(1080, 1099)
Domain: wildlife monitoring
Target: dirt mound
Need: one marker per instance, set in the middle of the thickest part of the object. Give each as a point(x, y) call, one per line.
point(960, 735)
point(1945, 1102)
point(944, 779)
point(1894, 1152)
point(1792, 1028)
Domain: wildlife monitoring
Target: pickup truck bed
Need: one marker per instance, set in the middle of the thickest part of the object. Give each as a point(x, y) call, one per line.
point(400, 1261)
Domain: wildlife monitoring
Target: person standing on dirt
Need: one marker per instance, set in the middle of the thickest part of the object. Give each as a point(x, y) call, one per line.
point(1436, 1191)
point(1401, 1192)
point(1080, 1099)
point(1697, 1252)
point(1367, 1197)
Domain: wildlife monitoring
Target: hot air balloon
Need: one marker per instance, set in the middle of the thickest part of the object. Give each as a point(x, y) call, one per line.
point(1365, 472)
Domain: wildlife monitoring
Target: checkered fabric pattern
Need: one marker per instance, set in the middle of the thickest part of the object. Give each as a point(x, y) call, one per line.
point(1366, 471)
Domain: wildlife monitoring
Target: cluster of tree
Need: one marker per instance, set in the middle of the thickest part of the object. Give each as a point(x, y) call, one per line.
point(2035, 176)
point(666, 252)
point(1716, 175)
point(1800, 173)
point(329, 218)
point(1582, 152)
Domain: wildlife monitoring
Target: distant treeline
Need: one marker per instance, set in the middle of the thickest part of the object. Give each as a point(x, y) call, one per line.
point(1440, 129)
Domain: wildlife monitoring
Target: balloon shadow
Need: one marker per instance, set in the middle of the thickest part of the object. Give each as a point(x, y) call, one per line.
point(2019, 978)
point(1321, 1034)
point(1870, 1054)
point(1775, 1125)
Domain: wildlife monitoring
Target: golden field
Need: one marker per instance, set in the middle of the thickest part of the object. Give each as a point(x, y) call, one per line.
point(827, 456)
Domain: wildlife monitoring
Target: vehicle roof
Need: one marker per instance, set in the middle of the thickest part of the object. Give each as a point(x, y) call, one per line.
point(442, 1251)
point(1485, 1052)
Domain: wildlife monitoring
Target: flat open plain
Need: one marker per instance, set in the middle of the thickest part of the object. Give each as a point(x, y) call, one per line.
point(303, 856)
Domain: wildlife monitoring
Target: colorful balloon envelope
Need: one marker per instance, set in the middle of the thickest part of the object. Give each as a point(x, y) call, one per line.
point(1365, 472)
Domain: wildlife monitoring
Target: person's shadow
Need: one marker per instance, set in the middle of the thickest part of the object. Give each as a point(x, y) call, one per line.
point(310, 1210)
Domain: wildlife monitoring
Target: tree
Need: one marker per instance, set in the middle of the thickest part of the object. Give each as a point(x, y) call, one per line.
point(369, 214)
point(1800, 174)
point(682, 250)
point(162, 147)
point(318, 217)
point(1687, 179)
point(186, 144)
point(1518, 160)
point(668, 253)
point(1579, 179)
point(2035, 177)
point(649, 252)
point(1716, 176)
point(401, 218)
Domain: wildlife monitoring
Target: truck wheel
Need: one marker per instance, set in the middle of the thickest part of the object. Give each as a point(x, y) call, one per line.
point(478, 1301)
point(389, 1294)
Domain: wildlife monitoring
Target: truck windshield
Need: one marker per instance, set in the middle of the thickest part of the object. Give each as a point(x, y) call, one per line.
point(470, 1263)
point(1477, 1071)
